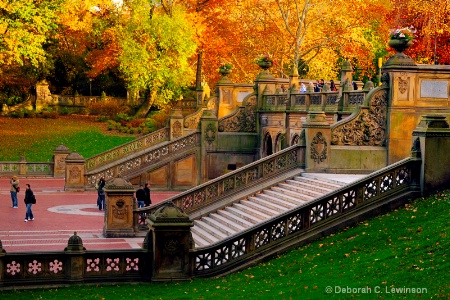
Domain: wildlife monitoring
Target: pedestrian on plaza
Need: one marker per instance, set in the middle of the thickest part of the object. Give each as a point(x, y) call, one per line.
point(29, 200)
point(140, 196)
point(148, 200)
point(333, 87)
point(14, 190)
point(101, 193)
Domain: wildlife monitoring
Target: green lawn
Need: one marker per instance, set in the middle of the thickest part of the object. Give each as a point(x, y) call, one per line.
point(407, 248)
point(37, 138)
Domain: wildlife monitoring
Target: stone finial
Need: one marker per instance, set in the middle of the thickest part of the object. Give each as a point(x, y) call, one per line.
point(170, 215)
point(346, 66)
point(61, 148)
point(326, 88)
point(75, 156)
point(310, 88)
point(118, 183)
point(75, 244)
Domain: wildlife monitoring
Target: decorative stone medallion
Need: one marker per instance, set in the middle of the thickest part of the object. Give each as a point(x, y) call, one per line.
point(319, 147)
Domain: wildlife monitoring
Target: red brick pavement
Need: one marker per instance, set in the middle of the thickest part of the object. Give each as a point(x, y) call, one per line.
point(50, 230)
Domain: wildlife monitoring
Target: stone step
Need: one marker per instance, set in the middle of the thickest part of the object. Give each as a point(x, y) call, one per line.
point(227, 230)
point(265, 208)
point(323, 182)
point(198, 240)
point(294, 200)
point(309, 186)
point(258, 213)
point(273, 203)
point(224, 219)
point(210, 229)
point(296, 191)
point(244, 215)
point(234, 218)
point(204, 235)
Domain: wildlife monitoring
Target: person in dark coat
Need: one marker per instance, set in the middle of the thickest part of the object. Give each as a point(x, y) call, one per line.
point(148, 199)
point(140, 196)
point(101, 194)
point(29, 201)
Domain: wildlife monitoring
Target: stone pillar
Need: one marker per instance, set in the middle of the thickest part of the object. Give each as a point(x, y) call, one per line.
point(119, 203)
point(209, 125)
point(172, 240)
point(59, 158)
point(2, 264)
point(176, 124)
point(22, 166)
point(225, 95)
point(74, 172)
point(318, 141)
point(265, 83)
point(433, 133)
point(74, 266)
point(43, 95)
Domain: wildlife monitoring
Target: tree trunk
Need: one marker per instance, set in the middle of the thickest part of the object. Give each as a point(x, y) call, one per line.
point(145, 107)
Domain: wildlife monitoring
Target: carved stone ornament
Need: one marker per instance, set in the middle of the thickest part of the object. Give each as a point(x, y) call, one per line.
point(75, 174)
point(176, 133)
point(210, 133)
point(120, 210)
point(402, 85)
point(367, 128)
point(319, 147)
point(193, 120)
point(242, 120)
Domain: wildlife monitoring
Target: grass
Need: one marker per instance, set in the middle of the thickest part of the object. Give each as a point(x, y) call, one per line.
point(37, 138)
point(407, 248)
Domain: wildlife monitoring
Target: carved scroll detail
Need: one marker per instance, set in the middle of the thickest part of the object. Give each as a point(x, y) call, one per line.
point(242, 120)
point(367, 128)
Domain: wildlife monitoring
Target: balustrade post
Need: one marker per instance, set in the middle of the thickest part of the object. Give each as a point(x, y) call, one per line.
point(119, 204)
point(74, 180)
point(75, 259)
point(172, 240)
point(318, 141)
point(176, 124)
point(59, 158)
point(22, 166)
point(434, 137)
point(209, 125)
point(2, 264)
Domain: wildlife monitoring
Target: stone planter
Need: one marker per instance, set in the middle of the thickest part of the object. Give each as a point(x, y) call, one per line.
point(224, 71)
point(400, 45)
point(265, 65)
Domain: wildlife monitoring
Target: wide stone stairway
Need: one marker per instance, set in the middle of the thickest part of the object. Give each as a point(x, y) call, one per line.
point(260, 206)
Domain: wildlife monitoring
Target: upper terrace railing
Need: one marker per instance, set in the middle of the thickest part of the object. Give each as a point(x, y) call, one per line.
point(139, 144)
point(26, 168)
point(397, 180)
point(233, 182)
point(327, 101)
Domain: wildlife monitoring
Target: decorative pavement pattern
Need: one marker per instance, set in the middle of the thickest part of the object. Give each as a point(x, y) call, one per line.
point(58, 214)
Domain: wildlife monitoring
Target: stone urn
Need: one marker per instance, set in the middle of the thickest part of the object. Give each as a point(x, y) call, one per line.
point(400, 45)
point(224, 71)
point(265, 65)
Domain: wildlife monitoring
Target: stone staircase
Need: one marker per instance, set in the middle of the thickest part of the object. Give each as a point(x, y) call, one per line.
point(259, 207)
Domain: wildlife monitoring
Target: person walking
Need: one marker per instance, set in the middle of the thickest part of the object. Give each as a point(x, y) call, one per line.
point(29, 201)
point(101, 193)
point(148, 200)
point(14, 190)
point(140, 196)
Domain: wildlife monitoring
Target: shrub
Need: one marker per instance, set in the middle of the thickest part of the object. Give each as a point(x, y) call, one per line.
point(108, 109)
point(136, 122)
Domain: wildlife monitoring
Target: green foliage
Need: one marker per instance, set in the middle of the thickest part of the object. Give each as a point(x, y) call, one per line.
point(405, 248)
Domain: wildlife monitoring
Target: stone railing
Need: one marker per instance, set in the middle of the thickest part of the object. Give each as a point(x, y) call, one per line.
point(224, 186)
point(375, 190)
point(44, 268)
point(243, 119)
point(152, 156)
point(116, 153)
point(26, 168)
point(193, 120)
point(326, 101)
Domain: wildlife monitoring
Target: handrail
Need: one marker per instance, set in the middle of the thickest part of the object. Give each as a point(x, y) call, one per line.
point(232, 182)
point(224, 255)
point(147, 157)
point(143, 142)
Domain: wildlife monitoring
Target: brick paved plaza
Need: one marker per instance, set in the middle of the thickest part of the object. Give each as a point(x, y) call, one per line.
point(57, 215)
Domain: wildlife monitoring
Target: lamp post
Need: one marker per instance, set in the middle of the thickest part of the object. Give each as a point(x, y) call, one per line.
point(90, 86)
point(380, 64)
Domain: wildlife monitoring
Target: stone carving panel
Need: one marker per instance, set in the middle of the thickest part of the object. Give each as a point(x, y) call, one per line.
point(319, 147)
point(243, 120)
point(367, 128)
